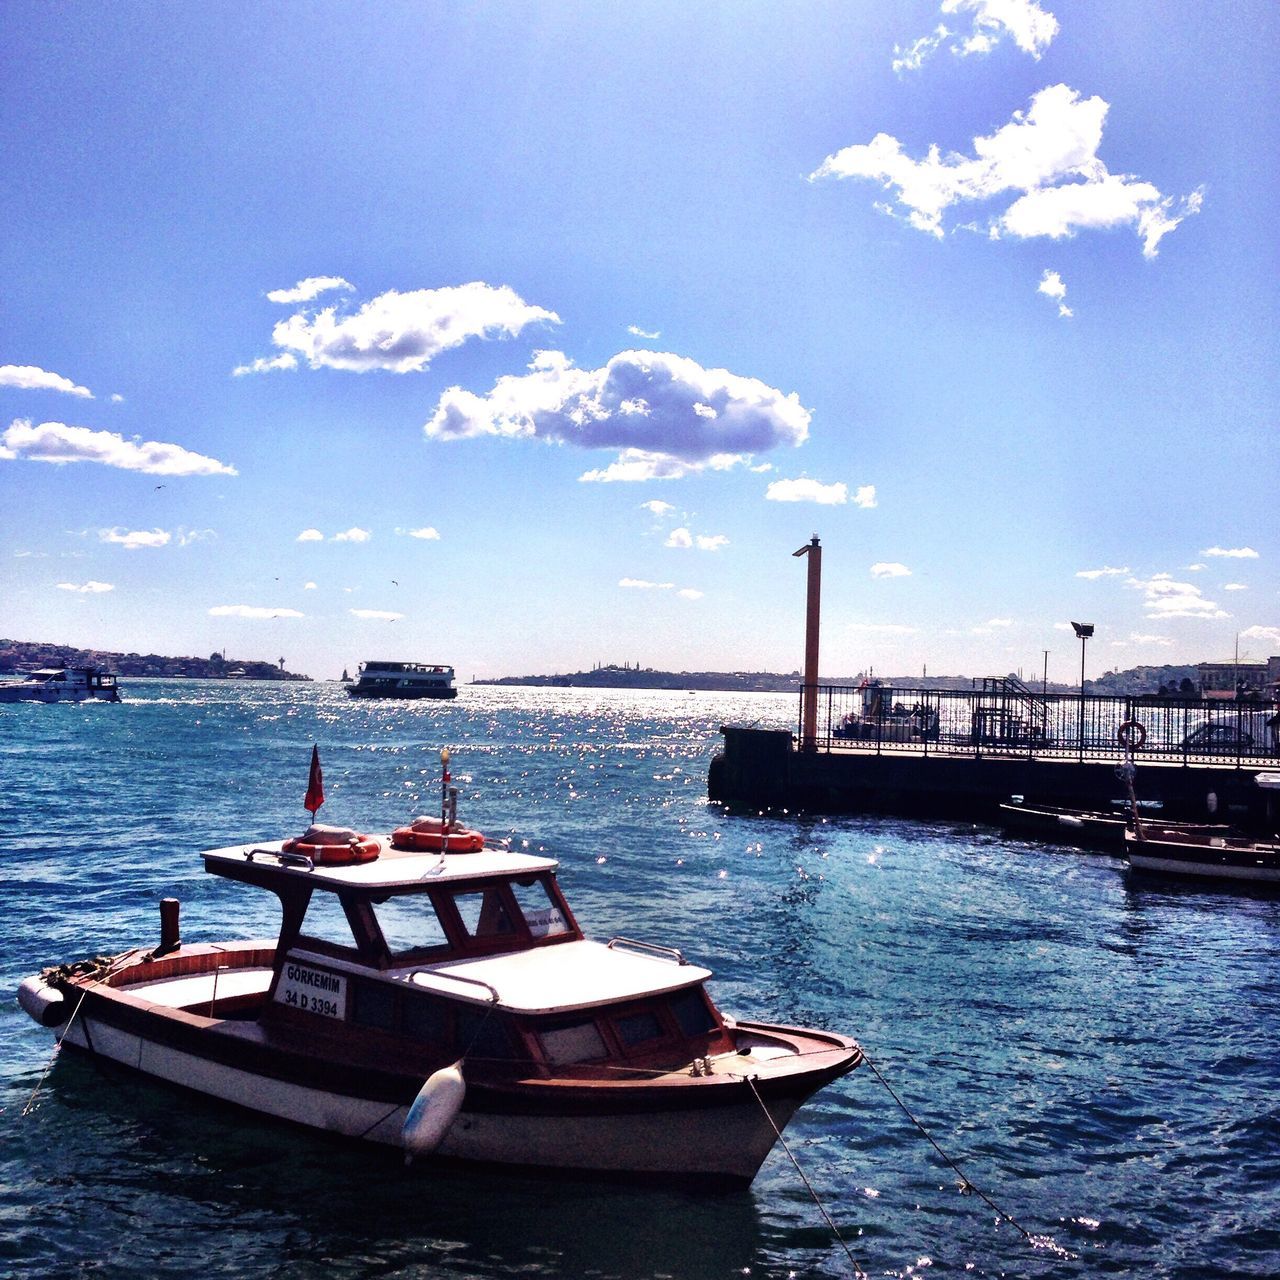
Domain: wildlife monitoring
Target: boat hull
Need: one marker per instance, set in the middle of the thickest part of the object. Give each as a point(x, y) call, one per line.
point(1238, 861)
point(355, 691)
point(713, 1130)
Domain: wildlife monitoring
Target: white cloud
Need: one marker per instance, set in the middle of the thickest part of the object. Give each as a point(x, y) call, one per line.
point(89, 588)
point(117, 398)
point(637, 332)
point(679, 538)
point(1052, 287)
point(58, 443)
point(1107, 572)
point(666, 414)
point(1046, 156)
point(711, 542)
point(641, 585)
point(311, 535)
point(1195, 568)
point(132, 539)
point(1163, 641)
point(251, 611)
point(1235, 586)
point(882, 628)
point(912, 57)
point(266, 364)
point(354, 534)
point(657, 508)
point(805, 490)
point(425, 534)
point(1231, 553)
point(689, 593)
point(28, 377)
point(865, 497)
point(1031, 28)
point(309, 586)
point(1270, 634)
point(890, 569)
point(1166, 598)
point(186, 537)
point(404, 332)
point(311, 287)
point(375, 615)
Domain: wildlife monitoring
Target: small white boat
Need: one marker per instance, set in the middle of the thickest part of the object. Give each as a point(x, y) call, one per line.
point(62, 684)
point(432, 992)
point(403, 680)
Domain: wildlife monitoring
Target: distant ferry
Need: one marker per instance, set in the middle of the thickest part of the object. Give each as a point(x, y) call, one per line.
point(62, 684)
point(403, 680)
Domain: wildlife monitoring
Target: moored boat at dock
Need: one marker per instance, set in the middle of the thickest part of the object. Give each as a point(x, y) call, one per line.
point(1169, 851)
point(432, 992)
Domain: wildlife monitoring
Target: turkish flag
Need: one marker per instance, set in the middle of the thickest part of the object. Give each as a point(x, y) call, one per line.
point(315, 784)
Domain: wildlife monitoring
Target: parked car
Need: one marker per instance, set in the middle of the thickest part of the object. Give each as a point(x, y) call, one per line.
point(1222, 738)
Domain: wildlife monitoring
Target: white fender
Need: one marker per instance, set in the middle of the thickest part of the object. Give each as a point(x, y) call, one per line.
point(42, 1003)
point(433, 1111)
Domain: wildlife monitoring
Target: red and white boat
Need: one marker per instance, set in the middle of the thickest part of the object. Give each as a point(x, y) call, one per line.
point(446, 1002)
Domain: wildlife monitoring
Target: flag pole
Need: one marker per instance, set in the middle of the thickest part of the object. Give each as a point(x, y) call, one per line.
point(444, 800)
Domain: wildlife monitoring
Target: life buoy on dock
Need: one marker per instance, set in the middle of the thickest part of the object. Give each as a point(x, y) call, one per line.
point(1132, 734)
point(430, 835)
point(333, 846)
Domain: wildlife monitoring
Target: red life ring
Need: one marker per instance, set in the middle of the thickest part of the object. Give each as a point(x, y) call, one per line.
point(1131, 734)
point(430, 835)
point(333, 846)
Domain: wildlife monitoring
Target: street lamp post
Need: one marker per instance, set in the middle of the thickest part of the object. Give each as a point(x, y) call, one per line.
point(1083, 631)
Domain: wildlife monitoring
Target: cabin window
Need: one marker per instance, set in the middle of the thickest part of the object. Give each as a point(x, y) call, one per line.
point(574, 1042)
point(483, 913)
point(373, 1005)
point(409, 923)
point(480, 1033)
point(426, 1020)
point(326, 921)
point(541, 912)
point(636, 1028)
point(692, 1013)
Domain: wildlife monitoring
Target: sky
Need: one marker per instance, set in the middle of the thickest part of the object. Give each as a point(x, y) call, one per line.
point(526, 337)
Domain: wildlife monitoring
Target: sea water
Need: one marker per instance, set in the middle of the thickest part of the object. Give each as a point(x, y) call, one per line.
point(1100, 1056)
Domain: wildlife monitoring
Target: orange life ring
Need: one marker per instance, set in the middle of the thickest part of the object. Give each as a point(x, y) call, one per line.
point(1132, 734)
point(333, 846)
point(430, 835)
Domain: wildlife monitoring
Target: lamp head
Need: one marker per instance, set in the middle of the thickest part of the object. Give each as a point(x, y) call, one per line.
point(1083, 630)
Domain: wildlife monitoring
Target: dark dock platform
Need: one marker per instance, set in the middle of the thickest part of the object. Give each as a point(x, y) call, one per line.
point(942, 754)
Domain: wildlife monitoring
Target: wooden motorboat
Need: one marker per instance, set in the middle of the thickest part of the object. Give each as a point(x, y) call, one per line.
point(440, 998)
point(1171, 851)
point(1090, 828)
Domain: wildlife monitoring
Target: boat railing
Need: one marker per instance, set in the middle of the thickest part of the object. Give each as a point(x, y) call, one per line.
point(283, 859)
point(436, 974)
point(673, 954)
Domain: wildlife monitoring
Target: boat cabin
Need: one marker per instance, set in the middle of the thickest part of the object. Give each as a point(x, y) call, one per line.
point(432, 956)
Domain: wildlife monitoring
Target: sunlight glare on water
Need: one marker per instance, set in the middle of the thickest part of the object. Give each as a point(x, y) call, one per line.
point(1100, 1056)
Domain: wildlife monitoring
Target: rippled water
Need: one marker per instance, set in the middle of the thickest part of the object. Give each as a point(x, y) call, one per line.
point(1102, 1056)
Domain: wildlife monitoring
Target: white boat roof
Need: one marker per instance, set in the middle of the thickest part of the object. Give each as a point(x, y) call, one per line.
point(391, 869)
point(559, 979)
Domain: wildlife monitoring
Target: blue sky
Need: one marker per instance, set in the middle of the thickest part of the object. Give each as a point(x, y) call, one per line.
point(529, 336)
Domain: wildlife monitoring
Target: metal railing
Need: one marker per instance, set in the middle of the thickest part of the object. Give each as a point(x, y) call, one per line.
point(1004, 717)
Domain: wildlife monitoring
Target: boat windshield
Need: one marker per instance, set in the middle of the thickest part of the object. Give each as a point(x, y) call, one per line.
point(498, 914)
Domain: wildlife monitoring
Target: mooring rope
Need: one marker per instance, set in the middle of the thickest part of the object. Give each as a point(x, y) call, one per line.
point(822, 1209)
point(967, 1187)
point(108, 966)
